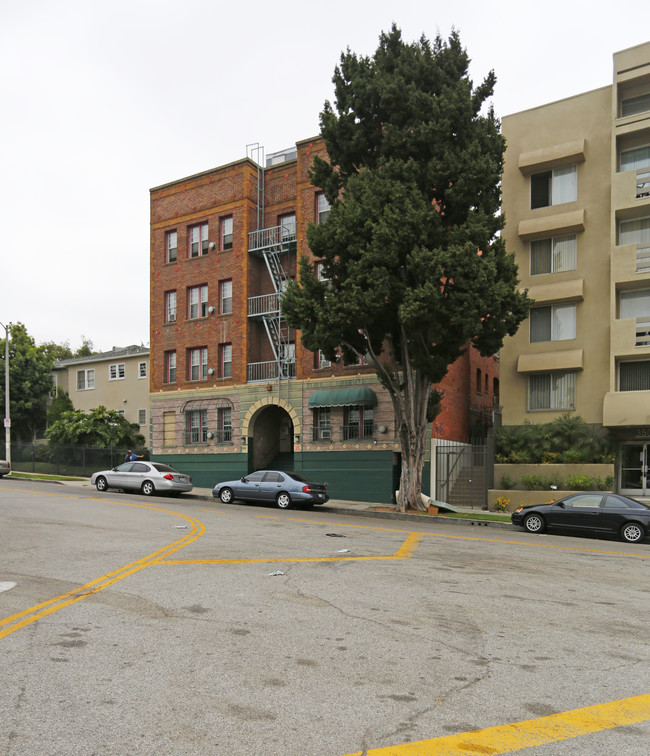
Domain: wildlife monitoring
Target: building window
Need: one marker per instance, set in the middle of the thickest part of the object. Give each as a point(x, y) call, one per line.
point(554, 187)
point(359, 423)
point(322, 207)
point(320, 361)
point(287, 225)
point(322, 424)
point(170, 367)
point(478, 380)
point(226, 297)
point(170, 307)
point(226, 233)
point(197, 302)
point(198, 238)
point(225, 360)
point(196, 427)
point(634, 376)
point(552, 391)
point(116, 371)
point(169, 429)
point(198, 364)
point(142, 369)
point(635, 159)
point(85, 379)
point(634, 105)
point(553, 255)
point(554, 323)
point(142, 417)
point(171, 246)
point(224, 425)
point(634, 232)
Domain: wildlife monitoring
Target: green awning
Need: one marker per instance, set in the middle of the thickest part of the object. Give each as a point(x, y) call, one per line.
point(357, 396)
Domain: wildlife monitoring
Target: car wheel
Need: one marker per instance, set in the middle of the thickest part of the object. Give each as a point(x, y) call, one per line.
point(148, 488)
point(534, 523)
point(632, 532)
point(225, 495)
point(283, 500)
point(101, 483)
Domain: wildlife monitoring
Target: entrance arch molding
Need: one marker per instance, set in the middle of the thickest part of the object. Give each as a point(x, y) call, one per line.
point(261, 404)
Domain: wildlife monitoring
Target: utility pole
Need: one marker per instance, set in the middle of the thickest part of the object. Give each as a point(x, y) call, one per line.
point(7, 403)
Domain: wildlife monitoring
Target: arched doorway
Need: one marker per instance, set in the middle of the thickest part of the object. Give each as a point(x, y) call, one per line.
point(270, 439)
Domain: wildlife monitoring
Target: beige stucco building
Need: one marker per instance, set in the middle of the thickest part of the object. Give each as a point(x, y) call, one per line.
point(117, 380)
point(576, 194)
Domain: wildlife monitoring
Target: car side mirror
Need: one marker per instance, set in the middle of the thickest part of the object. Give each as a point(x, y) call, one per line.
point(560, 504)
point(243, 480)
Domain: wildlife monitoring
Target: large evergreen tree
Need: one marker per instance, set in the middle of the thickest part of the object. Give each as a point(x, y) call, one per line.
point(415, 267)
point(97, 427)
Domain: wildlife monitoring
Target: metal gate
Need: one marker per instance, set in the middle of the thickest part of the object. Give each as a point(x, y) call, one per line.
point(464, 472)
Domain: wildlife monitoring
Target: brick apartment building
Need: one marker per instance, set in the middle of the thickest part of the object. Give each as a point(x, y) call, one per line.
point(232, 389)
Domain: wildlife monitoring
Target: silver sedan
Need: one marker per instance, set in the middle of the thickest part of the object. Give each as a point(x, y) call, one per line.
point(147, 477)
point(5, 467)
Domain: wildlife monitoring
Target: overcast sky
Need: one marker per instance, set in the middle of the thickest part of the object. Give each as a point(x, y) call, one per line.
point(102, 101)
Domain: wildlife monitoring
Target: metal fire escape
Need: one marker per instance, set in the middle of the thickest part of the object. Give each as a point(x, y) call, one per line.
point(272, 245)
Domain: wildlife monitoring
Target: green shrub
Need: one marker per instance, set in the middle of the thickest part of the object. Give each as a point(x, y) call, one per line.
point(573, 457)
point(550, 457)
point(532, 482)
point(507, 482)
point(580, 482)
point(609, 482)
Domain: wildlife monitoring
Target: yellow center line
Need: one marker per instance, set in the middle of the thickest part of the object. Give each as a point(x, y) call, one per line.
point(528, 733)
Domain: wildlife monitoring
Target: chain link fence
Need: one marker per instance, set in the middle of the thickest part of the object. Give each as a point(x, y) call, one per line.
point(80, 461)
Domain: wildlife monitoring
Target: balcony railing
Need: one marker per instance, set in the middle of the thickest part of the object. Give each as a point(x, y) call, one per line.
point(266, 304)
point(642, 259)
point(643, 184)
point(268, 371)
point(357, 431)
point(642, 332)
point(266, 238)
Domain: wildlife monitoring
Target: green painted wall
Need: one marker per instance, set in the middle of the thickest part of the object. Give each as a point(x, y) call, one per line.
point(352, 476)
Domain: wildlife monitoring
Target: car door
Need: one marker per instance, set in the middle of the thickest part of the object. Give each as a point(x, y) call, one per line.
point(271, 485)
point(248, 488)
point(139, 472)
point(615, 511)
point(578, 512)
point(118, 476)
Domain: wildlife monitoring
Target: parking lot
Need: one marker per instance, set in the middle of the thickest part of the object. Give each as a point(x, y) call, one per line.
point(159, 626)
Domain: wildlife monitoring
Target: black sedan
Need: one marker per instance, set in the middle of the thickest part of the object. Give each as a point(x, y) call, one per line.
point(596, 512)
point(283, 488)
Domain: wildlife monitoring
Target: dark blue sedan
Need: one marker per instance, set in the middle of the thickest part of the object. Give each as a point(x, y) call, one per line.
point(284, 488)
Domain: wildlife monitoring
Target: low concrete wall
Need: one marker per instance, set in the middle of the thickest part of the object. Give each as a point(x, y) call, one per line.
point(517, 498)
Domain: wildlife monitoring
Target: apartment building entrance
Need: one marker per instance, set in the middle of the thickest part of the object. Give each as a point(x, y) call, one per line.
point(634, 477)
point(272, 439)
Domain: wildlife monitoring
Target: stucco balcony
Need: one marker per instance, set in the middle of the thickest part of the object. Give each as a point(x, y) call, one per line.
point(630, 337)
point(631, 189)
point(625, 408)
point(630, 262)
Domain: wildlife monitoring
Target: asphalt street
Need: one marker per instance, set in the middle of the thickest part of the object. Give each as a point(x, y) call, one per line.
point(133, 625)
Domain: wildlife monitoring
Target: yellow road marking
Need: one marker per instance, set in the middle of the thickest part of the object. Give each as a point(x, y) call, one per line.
point(406, 551)
point(34, 613)
point(528, 733)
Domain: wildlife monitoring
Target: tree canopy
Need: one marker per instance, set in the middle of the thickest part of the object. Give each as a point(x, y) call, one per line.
point(30, 383)
point(413, 264)
point(97, 427)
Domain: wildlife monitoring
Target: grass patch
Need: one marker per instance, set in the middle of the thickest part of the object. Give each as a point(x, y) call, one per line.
point(477, 516)
point(40, 476)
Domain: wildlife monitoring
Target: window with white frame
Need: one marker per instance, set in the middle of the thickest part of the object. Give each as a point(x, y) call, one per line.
point(142, 417)
point(634, 376)
point(197, 302)
point(198, 364)
point(116, 371)
point(322, 207)
point(142, 369)
point(170, 367)
point(224, 425)
point(322, 424)
point(634, 232)
point(553, 323)
point(287, 225)
point(552, 391)
point(634, 159)
point(554, 187)
point(225, 360)
point(554, 255)
point(170, 307)
point(226, 296)
point(320, 361)
point(198, 240)
point(171, 246)
point(196, 427)
point(226, 233)
point(85, 379)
